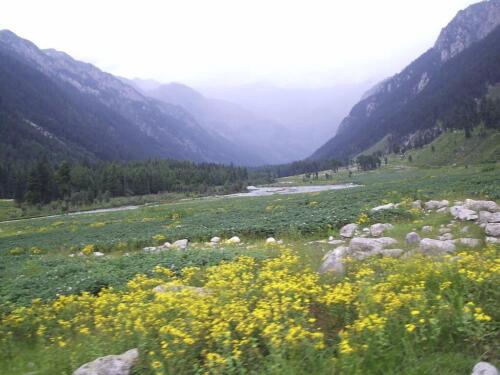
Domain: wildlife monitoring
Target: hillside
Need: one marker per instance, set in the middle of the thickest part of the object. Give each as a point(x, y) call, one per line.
point(75, 106)
point(461, 66)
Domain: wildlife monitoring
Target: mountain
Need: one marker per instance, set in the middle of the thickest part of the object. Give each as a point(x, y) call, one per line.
point(459, 68)
point(272, 142)
point(53, 104)
point(310, 115)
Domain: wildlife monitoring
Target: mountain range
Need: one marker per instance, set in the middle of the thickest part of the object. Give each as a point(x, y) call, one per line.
point(461, 66)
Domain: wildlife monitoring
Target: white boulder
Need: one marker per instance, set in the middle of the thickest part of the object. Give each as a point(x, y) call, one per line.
point(412, 238)
point(493, 240)
point(388, 206)
point(493, 229)
point(484, 368)
point(270, 241)
point(215, 240)
point(234, 239)
point(416, 204)
point(463, 213)
point(110, 365)
point(429, 246)
point(469, 242)
point(347, 231)
point(434, 205)
point(98, 254)
point(427, 229)
point(181, 244)
point(489, 217)
point(378, 229)
point(361, 247)
point(333, 261)
point(490, 206)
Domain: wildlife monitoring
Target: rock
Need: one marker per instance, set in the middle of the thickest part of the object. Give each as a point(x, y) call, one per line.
point(446, 237)
point(71, 255)
point(464, 230)
point(469, 242)
point(173, 287)
point(279, 242)
point(434, 205)
point(444, 230)
point(361, 247)
point(110, 365)
point(270, 241)
point(333, 261)
point(484, 368)
point(483, 225)
point(166, 245)
point(429, 246)
point(234, 239)
point(493, 240)
point(426, 228)
point(389, 206)
point(150, 249)
point(392, 253)
point(417, 204)
point(330, 238)
point(442, 210)
point(490, 206)
point(336, 242)
point(462, 213)
point(412, 238)
point(215, 240)
point(98, 254)
point(181, 244)
point(347, 231)
point(493, 229)
point(366, 230)
point(488, 217)
point(378, 229)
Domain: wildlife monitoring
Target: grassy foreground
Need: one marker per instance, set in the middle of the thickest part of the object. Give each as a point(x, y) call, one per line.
point(252, 308)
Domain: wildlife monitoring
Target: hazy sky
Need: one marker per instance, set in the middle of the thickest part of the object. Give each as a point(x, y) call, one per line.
point(211, 42)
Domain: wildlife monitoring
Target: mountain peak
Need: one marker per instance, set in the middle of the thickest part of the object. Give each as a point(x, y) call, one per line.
point(468, 26)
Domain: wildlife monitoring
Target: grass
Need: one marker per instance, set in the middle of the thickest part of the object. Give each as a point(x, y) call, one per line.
point(35, 263)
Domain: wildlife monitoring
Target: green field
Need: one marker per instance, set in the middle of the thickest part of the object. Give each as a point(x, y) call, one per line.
point(35, 262)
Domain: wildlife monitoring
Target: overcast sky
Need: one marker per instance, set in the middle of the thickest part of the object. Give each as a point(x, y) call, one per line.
point(227, 42)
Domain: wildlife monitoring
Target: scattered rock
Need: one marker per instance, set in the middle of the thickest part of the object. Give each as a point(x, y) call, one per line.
point(361, 247)
point(336, 242)
point(444, 230)
point(215, 240)
point(330, 238)
point(173, 287)
point(366, 230)
point(333, 261)
point(442, 210)
point(110, 365)
point(150, 249)
point(493, 229)
point(484, 368)
point(492, 240)
point(490, 206)
point(446, 237)
point(434, 205)
point(234, 239)
point(181, 244)
point(270, 241)
point(416, 204)
point(392, 253)
point(462, 213)
point(412, 238)
point(166, 245)
point(469, 242)
point(98, 254)
point(389, 206)
point(464, 230)
point(429, 246)
point(489, 217)
point(279, 242)
point(347, 231)
point(426, 228)
point(378, 229)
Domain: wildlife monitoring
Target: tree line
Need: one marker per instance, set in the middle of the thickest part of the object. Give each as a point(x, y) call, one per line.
point(83, 183)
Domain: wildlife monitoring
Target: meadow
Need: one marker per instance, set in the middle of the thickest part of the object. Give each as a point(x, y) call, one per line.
point(263, 308)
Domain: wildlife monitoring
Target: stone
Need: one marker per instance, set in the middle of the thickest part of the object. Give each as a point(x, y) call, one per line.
point(462, 213)
point(484, 368)
point(469, 242)
point(429, 246)
point(331, 238)
point(347, 231)
point(389, 206)
point(426, 228)
point(442, 210)
point(489, 217)
point(417, 204)
point(444, 230)
point(279, 242)
point(493, 229)
point(166, 245)
point(412, 238)
point(366, 230)
point(446, 237)
point(215, 240)
point(150, 249)
point(336, 242)
point(173, 287)
point(270, 241)
point(392, 253)
point(360, 247)
point(490, 206)
point(333, 261)
point(110, 365)
point(493, 240)
point(378, 229)
point(234, 239)
point(181, 244)
point(464, 230)
point(98, 254)
point(434, 205)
